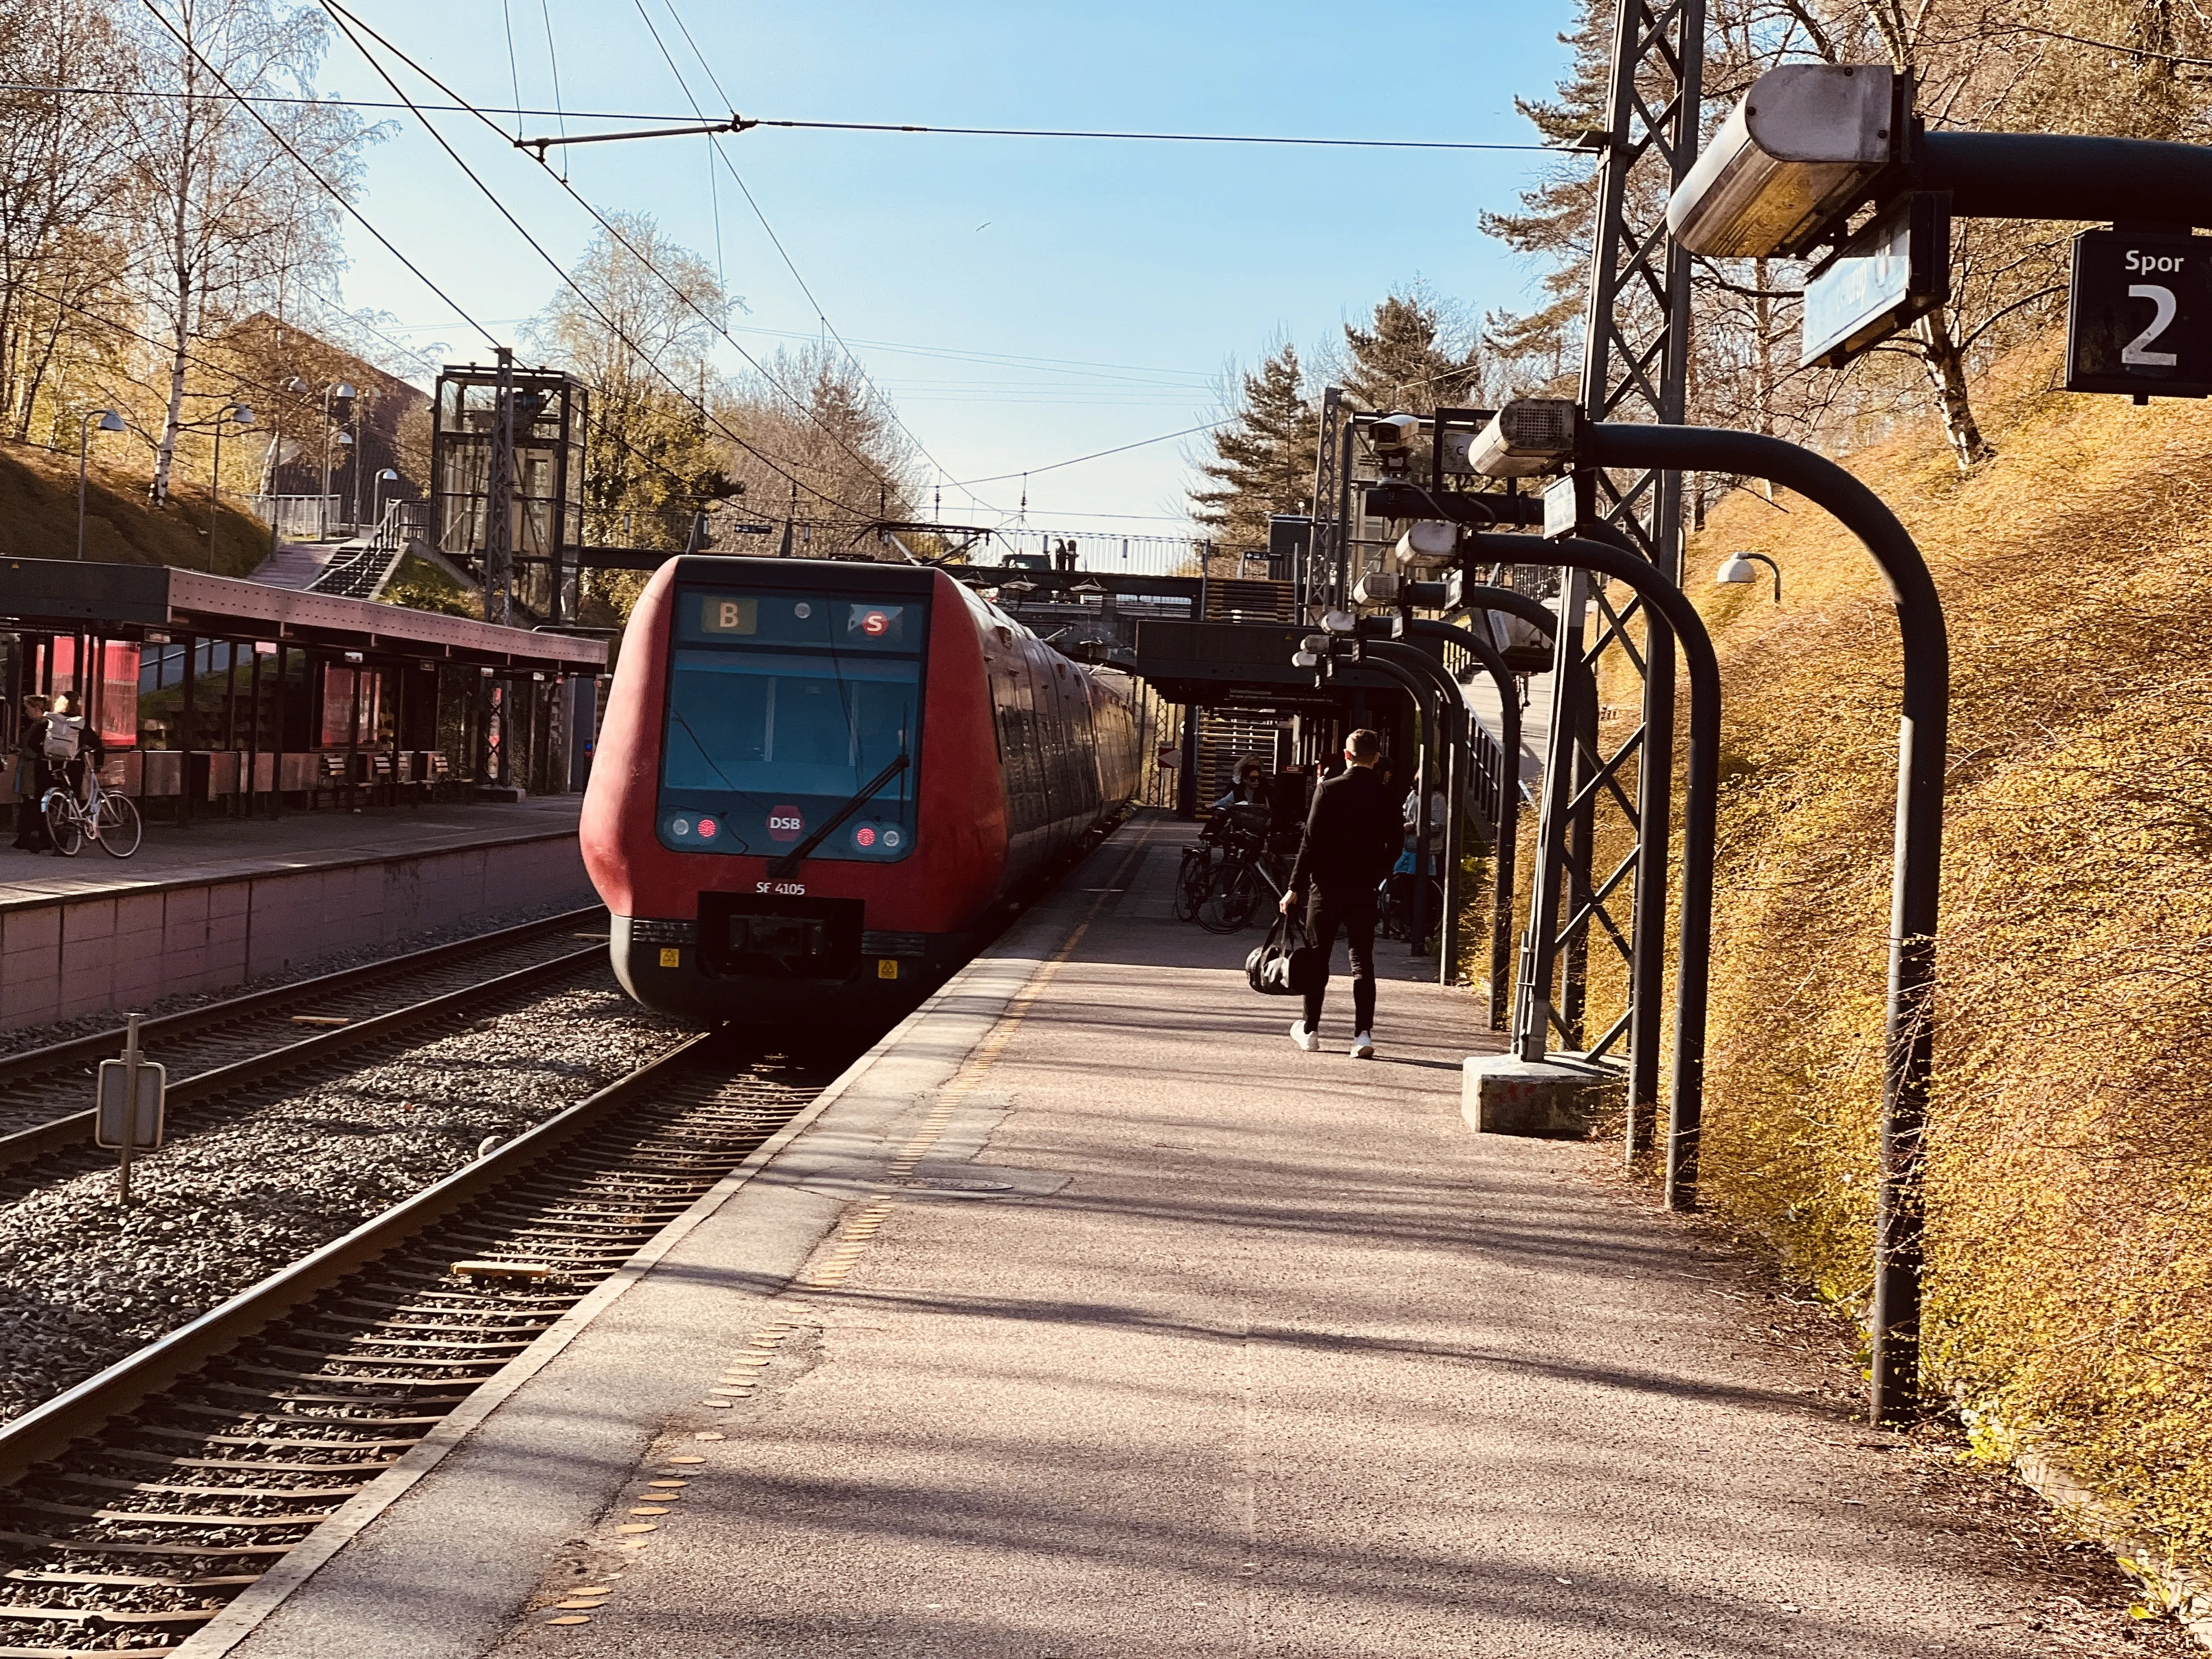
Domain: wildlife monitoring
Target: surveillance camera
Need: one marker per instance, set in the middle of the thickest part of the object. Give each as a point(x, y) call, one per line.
point(1393, 434)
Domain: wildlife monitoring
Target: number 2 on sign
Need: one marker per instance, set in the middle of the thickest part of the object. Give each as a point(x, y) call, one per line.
point(2133, 354)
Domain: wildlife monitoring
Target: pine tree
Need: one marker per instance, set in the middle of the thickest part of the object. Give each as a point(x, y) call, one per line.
point(1406, 362)
point(1541, 349)
point(1263, 459)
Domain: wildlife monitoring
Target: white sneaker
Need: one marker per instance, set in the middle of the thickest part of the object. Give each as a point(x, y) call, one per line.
point(1306, 1040)
point(1363, 1046)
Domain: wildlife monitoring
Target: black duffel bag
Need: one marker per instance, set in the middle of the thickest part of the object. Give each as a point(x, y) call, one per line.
point(1285, 965)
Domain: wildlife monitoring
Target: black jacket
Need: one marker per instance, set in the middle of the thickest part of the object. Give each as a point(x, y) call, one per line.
point(1352, 834)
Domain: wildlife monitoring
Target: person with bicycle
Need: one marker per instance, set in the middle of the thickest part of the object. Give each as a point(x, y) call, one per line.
point(1402, 884)
point(1352, 834)
point(33, 778)
point(74, 805)
point(73, 746)
point(1250, 788)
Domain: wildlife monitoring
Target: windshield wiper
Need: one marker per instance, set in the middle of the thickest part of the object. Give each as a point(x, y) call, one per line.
point(800, 853)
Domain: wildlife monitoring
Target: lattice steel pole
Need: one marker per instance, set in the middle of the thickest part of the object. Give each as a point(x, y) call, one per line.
point(499, 499)
point(1319, 544)
point(1635, 367)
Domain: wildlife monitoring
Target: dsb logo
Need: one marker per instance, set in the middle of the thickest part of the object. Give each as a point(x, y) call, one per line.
point(785, 824)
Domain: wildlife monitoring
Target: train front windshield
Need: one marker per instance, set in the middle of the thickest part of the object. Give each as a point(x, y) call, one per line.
point(783, 710)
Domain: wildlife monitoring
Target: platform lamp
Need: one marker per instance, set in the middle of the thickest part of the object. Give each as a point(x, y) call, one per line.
point(241, 415)
point(109, 421)
point(376, 494)
point(1738, 570)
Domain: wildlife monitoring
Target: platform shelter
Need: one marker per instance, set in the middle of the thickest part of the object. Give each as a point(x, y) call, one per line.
point(218, 697)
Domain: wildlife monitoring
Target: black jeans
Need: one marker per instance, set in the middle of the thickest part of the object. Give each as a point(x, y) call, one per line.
point(1325, 914)
point(30, 823)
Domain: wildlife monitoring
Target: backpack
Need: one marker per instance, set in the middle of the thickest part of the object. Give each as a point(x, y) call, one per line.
point(63, 732)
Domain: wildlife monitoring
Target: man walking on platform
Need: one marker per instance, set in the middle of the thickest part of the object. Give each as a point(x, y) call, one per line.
point(1353, 837)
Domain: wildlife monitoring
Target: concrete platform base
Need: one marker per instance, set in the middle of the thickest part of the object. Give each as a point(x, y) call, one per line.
point(1558, 1098)
point(217, 904)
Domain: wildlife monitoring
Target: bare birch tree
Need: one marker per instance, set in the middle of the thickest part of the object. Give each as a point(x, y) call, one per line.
point(234, 200)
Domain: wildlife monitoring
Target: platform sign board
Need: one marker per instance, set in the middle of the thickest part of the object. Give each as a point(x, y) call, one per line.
point(2139, 314)
point(145, 1123)
point(1894, 270)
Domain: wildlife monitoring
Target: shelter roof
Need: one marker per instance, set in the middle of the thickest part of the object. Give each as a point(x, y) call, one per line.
point(123, 600)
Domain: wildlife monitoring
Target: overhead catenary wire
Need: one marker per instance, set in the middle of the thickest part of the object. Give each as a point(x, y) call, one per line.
point(775, 241)
point(1097, 454)
point(566, 115)
point(343, 17)
point(346, 23)
point(420, 275)
point(552, 61)
point(458, 310)
point(513, 68)
point(237, 380)
point(308, 167)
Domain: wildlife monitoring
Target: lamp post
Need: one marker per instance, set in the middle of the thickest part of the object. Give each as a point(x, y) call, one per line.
point(376, 497)
point(341, 391)
point(343, 440)
point(1924, 718)
point(1736, 570)
point(244, 417)
point(109, 421)
point(1693, 957)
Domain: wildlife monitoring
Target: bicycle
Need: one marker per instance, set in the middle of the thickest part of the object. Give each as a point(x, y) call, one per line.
point(109, 822)
point(1193, 877)
point(1242, 886)
point(1394, 909)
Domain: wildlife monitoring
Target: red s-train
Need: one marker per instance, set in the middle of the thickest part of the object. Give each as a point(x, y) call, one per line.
point(814, 779)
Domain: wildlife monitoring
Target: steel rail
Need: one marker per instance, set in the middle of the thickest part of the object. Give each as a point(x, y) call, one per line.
point(357, 1353)
point(98, 1400)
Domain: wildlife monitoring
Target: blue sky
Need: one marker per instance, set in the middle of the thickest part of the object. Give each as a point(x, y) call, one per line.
point(1021, 300)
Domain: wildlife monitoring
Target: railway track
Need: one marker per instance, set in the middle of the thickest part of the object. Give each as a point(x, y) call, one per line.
point(148, 1495)
point(212, 1050)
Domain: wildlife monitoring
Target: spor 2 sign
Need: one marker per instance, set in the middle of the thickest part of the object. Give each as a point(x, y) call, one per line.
point(2139, 314)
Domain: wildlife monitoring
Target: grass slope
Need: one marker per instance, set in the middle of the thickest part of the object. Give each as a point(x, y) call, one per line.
point(2070, 1178)
point(38, 517)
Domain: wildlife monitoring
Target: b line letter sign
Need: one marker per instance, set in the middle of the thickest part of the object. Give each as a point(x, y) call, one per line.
point(2139, 314)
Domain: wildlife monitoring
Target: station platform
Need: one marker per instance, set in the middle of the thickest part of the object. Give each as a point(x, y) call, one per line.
point(1085, 1315)
point(220, 901)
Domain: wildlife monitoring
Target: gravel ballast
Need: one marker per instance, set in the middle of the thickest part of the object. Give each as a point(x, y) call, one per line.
point(84, 1282)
